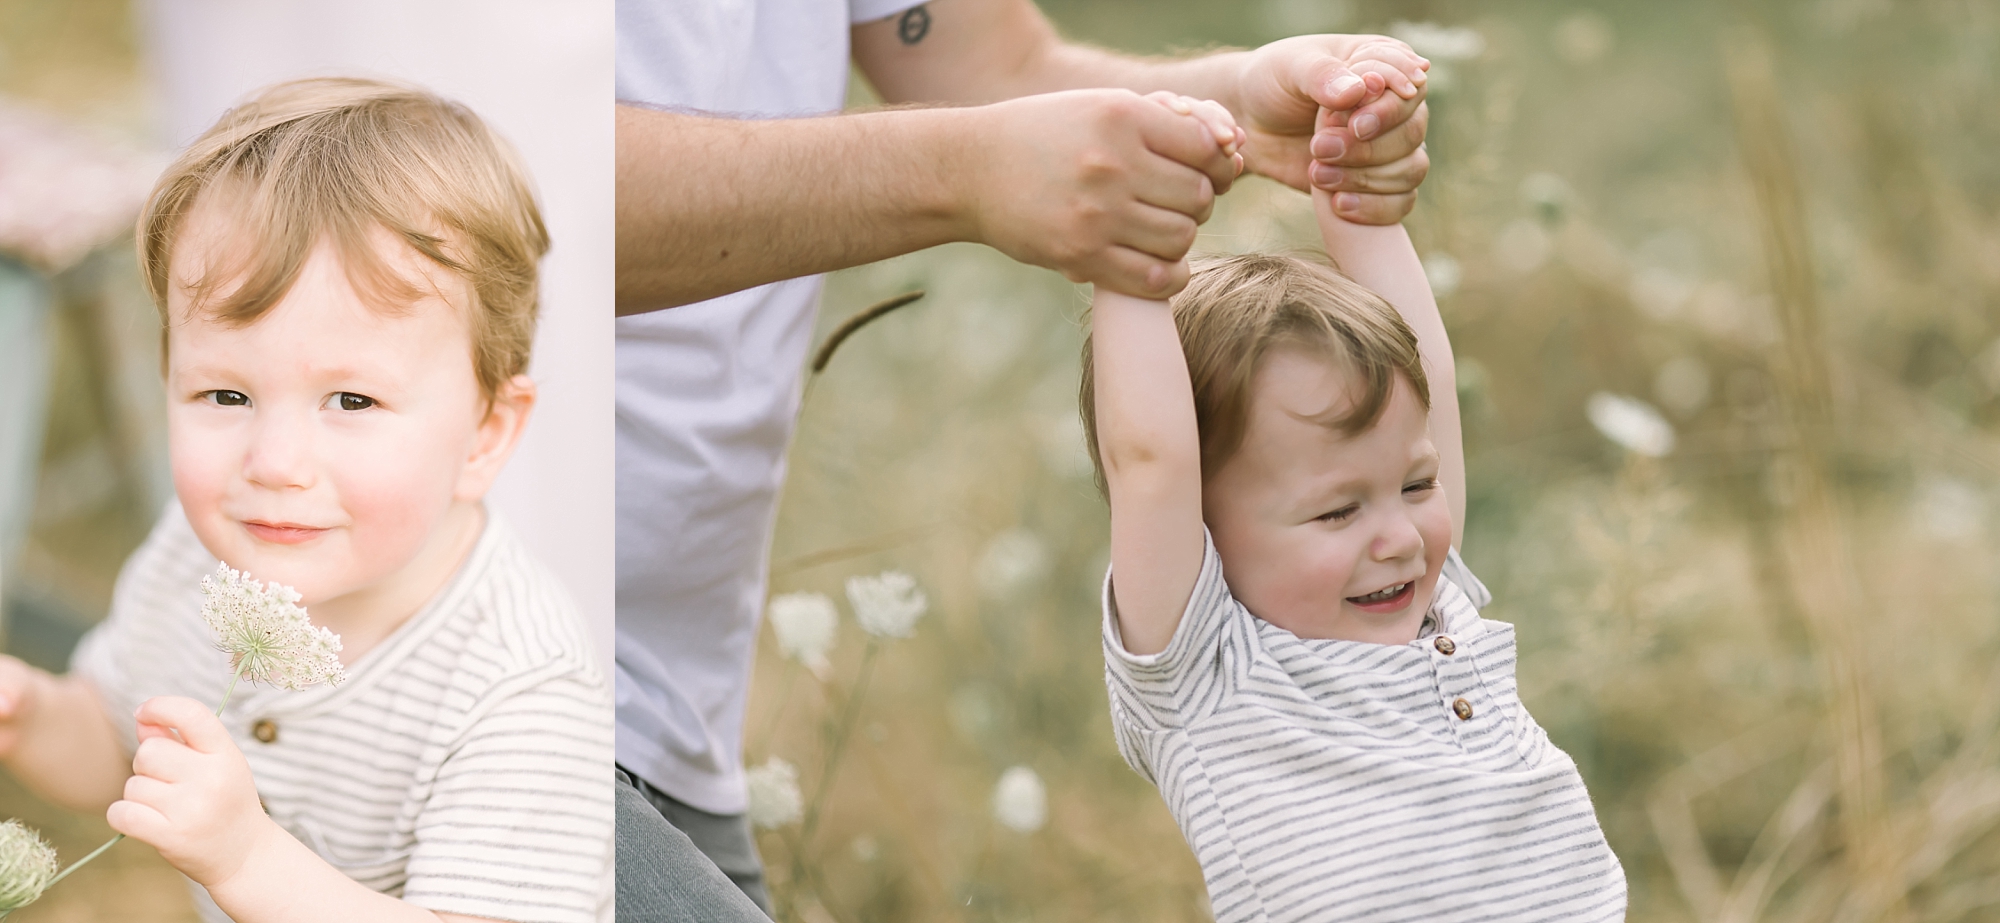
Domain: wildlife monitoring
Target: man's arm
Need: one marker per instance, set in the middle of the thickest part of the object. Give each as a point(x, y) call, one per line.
point(978, 51)
point(1383, 260)
point(708, 206)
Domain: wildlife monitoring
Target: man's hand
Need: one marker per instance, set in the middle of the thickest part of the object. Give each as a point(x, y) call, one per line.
point(1373, 143)
point(1104, 186)
point(20, 693)
point(191, 795)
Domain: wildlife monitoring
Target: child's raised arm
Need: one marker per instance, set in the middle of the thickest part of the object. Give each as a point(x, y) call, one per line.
point(1383, 260)
point(1151, 452)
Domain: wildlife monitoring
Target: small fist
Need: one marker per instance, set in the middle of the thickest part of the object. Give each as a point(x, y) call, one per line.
point(20, 688)
point(191, 795)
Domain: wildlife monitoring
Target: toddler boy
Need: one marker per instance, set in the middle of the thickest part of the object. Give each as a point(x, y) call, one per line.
point(1293, 648)
point(345, 271)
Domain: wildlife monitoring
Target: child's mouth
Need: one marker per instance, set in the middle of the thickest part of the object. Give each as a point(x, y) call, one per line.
point(282, 533)
point(1388, 599)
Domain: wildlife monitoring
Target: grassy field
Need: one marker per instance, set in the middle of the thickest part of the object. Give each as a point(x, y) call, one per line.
point(1771, 650)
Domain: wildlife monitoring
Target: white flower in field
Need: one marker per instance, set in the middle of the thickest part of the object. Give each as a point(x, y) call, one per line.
point(267, 636)
point(1443, 43)
point(804, 624)
point(888, 604)
point(1013, 561)
point(1020, 802)
point(774, 794)
point(1631, 423)
point(27, 865)
point(1443, 273)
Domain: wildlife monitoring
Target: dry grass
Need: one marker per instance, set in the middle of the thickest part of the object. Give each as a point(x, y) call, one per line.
point(1771, 652)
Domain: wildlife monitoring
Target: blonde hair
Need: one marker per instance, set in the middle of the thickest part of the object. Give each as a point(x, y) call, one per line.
point(338, 159)
point(1236, 309)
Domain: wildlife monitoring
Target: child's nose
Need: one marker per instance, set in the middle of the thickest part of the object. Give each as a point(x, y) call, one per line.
point(280, 451)
point(1398, 539)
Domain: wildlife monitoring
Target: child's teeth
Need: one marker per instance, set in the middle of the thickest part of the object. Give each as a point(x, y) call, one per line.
point(1380, 595)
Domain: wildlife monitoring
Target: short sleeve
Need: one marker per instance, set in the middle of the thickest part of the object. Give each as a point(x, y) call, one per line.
point(1158, 691)
point(860, 11)
point(519, 823)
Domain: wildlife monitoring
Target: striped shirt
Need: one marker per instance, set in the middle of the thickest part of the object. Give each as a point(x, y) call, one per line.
point(1326, 780)
point(465, 764)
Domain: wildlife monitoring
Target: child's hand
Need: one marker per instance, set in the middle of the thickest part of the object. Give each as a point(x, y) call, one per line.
point(1383, 66)
point(20, 687)
point(1212, 114)
point(191, 795)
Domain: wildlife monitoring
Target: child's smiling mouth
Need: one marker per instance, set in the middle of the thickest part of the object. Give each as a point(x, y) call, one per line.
point(1387, 599)
point(282, 533)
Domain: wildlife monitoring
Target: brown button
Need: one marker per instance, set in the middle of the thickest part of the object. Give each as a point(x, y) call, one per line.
point(266, 730)
point(1462, 709)
point(1444, 646)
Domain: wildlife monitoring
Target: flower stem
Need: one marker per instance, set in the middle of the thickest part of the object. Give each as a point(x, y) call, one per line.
point(226, 693)
point(79, 863)
point(842, 732)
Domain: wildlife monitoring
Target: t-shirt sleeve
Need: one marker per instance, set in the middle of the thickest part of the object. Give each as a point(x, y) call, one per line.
point(860, 11)
point(1154, 692)
point(519, 822)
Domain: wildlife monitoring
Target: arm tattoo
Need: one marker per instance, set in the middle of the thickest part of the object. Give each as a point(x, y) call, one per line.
point(915, 24)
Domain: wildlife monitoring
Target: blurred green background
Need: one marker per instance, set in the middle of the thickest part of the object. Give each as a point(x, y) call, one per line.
point(1771, 649)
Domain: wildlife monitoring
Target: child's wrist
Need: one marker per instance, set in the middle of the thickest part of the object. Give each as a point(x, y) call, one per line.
point(263, 842)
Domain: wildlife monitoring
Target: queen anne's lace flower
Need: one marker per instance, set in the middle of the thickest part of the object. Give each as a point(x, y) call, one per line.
point(886, 605)
point(267, 636)
point(774, 794)
point(27, 865)
point(804, 624)
point(1020, 802)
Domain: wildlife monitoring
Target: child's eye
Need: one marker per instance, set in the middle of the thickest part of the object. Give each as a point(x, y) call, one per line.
point(227, 398)
point(1421, 486)
point(348, 400)
point(1340, 515)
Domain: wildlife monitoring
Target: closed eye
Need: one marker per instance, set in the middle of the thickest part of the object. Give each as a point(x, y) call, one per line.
point(1340, 515)
point(348, 400)
point(1417, 487)
point(226, 398)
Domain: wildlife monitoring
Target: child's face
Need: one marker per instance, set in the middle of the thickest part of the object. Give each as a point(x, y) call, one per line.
point(1313, 525)
point(330, 445)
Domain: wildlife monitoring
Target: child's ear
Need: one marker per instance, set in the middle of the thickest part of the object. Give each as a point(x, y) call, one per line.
point(506, 416)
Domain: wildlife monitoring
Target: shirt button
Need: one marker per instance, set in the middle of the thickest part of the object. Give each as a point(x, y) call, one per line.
point(1444, 646)
point(1462, 709)
point(266, 730)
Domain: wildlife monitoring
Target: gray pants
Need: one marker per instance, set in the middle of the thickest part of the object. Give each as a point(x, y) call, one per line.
point(676, 862)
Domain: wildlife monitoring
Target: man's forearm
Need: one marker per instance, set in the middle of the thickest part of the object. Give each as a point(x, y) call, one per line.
point(708, 206)
point(980, 51)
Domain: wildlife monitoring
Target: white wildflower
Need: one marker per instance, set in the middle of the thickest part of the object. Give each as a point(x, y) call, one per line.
point(887, 605)
point(1443, 273)
point(1631, 423)
point(1013, 561)
point(1020, 802)
point(774, 794)
point(1443, 43)
point(804, 624)
point(27, 865)
point(267, 636)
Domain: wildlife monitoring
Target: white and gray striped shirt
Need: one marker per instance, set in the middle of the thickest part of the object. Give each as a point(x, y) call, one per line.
point(465, 764)
point(1326, 780)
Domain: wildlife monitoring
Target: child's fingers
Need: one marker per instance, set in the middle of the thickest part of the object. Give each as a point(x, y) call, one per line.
point(166, 759)
point(1408, 71)
point(198, 727)
point(138, 821)
point(148, 791)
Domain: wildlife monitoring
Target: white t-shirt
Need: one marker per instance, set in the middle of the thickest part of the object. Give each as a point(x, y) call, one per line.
point(464, 764)
point(1338, 780)
point(707, 395)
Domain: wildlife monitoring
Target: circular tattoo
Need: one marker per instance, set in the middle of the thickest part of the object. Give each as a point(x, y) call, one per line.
point(914, 25)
